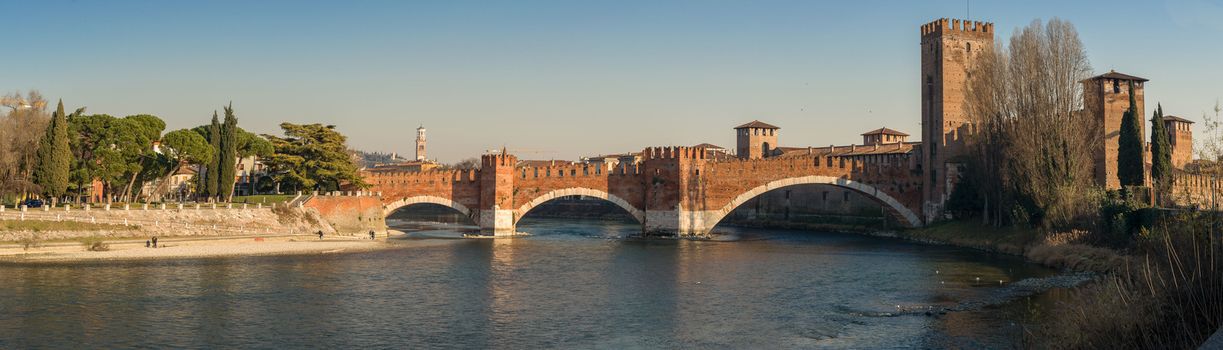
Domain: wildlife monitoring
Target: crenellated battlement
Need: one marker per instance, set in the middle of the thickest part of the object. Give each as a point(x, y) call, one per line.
point(946, 25)
point(570, 170)
point(498, 160)
point(673, 152)
point(408, 177)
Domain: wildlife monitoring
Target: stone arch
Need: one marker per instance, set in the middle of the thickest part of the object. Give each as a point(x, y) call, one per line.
point(637, 214)
point(446, 202)
point(910, 218)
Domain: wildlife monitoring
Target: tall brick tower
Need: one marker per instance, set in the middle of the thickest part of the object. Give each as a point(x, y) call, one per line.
point(420, 143)
point(949, 47)
point(755, 140)
point(1105, 99)
point(1180, 137)
point(497, 193)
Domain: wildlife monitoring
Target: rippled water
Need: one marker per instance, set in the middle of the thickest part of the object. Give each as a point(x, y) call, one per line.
point(571, 284)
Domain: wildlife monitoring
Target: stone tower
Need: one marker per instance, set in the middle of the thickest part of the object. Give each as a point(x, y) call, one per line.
point(949, 47)
point(1105, 99)
point(755, 140)
point(420, 143)
point(1180, 137)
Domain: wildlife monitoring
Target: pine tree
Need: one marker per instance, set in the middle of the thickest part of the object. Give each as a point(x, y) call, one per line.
point(212, 176)
point(1129, 146)
point(1161, 150)
point(229, 153)
point(54, 157)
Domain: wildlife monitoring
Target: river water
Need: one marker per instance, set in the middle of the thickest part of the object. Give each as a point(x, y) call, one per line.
point(570, 284)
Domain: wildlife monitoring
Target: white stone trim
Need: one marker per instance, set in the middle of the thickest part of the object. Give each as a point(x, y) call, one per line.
point(391, 207)
point(637, 214)
point(709, 219)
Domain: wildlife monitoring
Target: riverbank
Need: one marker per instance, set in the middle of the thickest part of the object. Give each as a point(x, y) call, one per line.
point(1057, 251)
point(188, 248)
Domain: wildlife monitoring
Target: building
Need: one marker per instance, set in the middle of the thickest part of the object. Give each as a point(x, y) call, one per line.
point(755, 140)
point(1180, 138)
point(248, 171)
point(883, 136)
point(948, 48)
point(420, 143)
point(1106, 97)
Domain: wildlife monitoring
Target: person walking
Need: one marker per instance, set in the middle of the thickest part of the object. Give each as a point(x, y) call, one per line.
point(371, 234)
point(147, 244)
point(320, 234)
point(154, 241)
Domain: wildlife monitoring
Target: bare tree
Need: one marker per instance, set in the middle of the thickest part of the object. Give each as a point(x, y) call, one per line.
point(1210, 145)
point(467, 164)
point(20, 130)
point(1031, 149)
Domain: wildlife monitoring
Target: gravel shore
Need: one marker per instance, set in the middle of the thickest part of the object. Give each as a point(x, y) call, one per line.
point(180, 248)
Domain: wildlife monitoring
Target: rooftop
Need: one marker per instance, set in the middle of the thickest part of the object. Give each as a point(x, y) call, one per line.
point(1112, 74)
point(885, 131)
point(1177, 119)
point(757, 124)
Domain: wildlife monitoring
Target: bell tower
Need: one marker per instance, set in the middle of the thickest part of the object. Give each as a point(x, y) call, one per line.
point(420, 143)
point(949, 47)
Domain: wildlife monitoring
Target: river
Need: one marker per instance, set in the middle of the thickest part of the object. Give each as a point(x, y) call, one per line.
point(570, 284)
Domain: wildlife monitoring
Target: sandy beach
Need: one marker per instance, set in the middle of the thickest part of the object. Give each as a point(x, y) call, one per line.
point(193, 247)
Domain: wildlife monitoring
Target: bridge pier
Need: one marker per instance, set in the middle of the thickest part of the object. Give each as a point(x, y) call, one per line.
point(497, 222)
point(679, 222)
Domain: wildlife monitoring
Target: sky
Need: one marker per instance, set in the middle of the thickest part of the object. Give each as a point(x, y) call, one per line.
point(560, 79)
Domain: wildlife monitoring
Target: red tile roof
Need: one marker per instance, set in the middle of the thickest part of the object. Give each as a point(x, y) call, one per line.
point(884, 131)
point(757, 124)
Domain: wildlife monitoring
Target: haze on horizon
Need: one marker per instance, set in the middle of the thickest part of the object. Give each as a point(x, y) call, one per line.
point(560, 80)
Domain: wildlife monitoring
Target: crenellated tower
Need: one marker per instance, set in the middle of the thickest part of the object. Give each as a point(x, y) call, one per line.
point(497, 193)
point(949, 48)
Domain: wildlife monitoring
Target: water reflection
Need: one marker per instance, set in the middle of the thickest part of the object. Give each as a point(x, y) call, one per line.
point(571, 284)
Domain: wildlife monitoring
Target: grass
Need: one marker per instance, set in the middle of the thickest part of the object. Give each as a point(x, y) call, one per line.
point(264, 198)
point(41, 226)
point(1169, 297)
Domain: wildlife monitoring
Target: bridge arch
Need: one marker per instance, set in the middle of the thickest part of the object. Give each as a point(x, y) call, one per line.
point(637, 214)
point(446, 202)
point(909, 218)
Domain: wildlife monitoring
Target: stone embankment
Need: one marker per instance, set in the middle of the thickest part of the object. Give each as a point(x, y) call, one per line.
point(139, 220)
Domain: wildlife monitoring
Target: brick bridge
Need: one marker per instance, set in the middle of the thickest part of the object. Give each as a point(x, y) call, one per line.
point(673, 190)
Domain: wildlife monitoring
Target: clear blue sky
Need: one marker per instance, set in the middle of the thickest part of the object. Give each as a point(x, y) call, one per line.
point(559, 79)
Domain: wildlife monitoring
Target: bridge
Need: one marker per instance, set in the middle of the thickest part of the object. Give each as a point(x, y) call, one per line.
point(672, 191)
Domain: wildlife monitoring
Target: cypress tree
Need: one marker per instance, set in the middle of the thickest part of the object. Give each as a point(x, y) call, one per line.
point(54, 157)
point(212, 175)
point(229, 153)
point(1129, 146)
point(1161, 150)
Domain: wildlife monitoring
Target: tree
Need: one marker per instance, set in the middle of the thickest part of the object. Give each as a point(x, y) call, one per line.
point(467, 164)
point(1028, 156)
point(212, 177)
point(1161, 151)
point(180, 148)
point(228, 155)
point(312, 156)
point(21, 130)
point(143, 130)
point(1130, 168)
point(54, 157)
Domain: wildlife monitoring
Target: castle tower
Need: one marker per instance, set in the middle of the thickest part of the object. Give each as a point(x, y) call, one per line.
point(755, 140)
point(420, 143)
point(1106, 97)
point(496, 216)
point(1180, 137)
point(949, 47)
